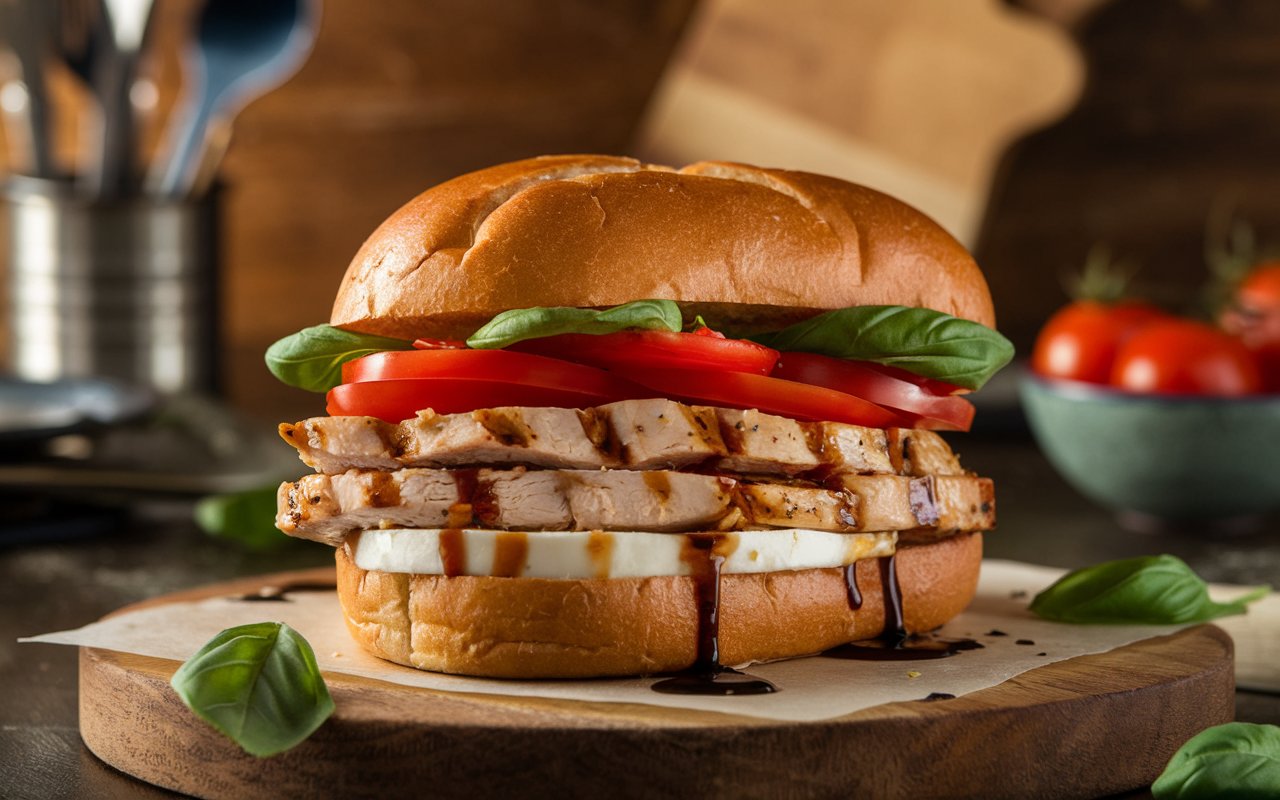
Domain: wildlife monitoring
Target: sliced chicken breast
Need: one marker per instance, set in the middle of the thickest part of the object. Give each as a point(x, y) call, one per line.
point(631, 434)
point(327, 507)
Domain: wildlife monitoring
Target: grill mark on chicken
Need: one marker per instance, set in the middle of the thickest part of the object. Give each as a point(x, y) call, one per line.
point(598, 430)
point(327, 507)
point(632, 434)
point(924, 503)
point(898, 450)
point(508, 428)
point(659, 484)
point(816, 439)
point(731, 433)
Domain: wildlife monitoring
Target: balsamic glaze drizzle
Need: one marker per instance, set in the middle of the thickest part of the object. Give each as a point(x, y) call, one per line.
point(851, 586)
point(707, 676)
point(894, 628)
point(894, 644)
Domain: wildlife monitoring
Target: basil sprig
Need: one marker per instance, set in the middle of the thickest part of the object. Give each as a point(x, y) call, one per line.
point(312, 358)
point(1238, 759)
point(246, 518)
point(1149, 590)
point(259, 685)
point(920, 340)
point(519, 324)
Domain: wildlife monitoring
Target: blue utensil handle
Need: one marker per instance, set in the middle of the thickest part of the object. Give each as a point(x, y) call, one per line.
point(182, 159)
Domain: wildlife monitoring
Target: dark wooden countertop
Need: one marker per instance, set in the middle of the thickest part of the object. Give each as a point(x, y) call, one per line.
point(54, 586)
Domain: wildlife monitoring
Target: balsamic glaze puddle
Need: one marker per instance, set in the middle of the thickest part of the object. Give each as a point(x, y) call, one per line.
point(916, 647)
point(280, 594)
point(708, 677)
point(895, 644)
point(720, 681)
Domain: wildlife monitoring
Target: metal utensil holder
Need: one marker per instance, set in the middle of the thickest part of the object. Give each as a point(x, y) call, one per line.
point(122, 289)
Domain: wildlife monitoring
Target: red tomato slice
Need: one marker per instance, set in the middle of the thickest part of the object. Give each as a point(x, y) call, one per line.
point(770, 395)
point(930, 385)
point(401, 399)
point(627, 349)
point(486, 365)
point(396, 385)
point(927, 410)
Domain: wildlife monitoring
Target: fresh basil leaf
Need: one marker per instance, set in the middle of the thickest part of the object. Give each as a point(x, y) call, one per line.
point(312, 358)
point(920, 340)
point(519, 324)
point(1237, 760)
point(1149, 590)
point(259, 685)
point(246, 518)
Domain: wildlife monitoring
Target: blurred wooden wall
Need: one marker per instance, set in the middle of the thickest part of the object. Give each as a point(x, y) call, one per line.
point(397, 96)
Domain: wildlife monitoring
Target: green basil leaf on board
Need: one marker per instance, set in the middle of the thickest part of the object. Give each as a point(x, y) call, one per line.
point(1149, 590)
point(519, 324)
point(922, 341)
point(246, 518)
point(1237, 760)
point(312, 358)
point(259, 685)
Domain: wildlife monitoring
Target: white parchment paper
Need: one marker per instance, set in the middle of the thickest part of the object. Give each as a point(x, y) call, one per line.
point(810, 688)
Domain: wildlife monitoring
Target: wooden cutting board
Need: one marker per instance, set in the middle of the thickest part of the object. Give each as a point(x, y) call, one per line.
point(1085, 727)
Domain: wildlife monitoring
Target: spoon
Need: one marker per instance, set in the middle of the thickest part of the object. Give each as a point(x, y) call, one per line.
point(244, 48)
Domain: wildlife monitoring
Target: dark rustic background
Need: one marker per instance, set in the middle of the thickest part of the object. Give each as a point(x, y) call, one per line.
point(1180, 117)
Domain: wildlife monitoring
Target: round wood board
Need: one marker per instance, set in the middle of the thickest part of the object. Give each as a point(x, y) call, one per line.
point(1085, 727)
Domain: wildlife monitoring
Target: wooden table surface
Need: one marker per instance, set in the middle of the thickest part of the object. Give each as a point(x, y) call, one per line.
point(60, 585)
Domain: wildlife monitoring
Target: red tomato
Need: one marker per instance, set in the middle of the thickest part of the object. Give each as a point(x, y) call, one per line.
point(930, 385)
point(1254, 316)
point(770, 395)
point(626, 349)
point(1081, 340)
point(501, 366)
point(928, 410)
point(396, 385)
point(1179, 356)
point(401, 399)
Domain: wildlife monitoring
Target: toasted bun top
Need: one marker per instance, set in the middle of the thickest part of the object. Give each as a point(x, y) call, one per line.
point(749, 248)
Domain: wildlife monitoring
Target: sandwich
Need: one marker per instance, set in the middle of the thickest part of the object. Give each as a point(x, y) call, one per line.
point(594, 417)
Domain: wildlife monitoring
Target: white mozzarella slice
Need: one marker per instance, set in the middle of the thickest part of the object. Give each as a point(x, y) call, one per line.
point(606, 554)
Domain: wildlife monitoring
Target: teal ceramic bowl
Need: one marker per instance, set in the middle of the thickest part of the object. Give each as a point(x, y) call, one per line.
point(1179, 459)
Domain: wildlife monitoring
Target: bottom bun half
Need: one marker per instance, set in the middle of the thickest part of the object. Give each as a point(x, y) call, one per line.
point(537, 628)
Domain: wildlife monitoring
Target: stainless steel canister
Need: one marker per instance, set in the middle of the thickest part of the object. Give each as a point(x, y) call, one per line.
point(123, 289)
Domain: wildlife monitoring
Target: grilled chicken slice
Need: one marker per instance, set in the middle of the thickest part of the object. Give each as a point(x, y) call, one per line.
point(327, 507)
point(631, 434)
point(928, 507)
